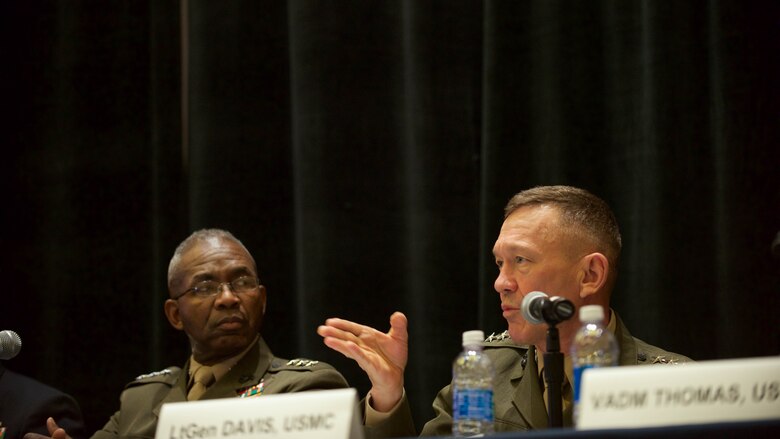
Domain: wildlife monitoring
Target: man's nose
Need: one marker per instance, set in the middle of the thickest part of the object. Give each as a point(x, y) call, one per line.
point(226, 297)
point(504, 283)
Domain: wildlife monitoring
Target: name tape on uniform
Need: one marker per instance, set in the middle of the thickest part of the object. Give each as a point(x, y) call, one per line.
point(690, 393)
point(313, 414)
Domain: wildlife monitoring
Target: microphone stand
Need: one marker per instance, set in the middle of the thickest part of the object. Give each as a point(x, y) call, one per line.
point(553, 377)
point(537, 307)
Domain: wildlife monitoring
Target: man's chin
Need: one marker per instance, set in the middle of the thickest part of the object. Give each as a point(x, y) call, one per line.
point(232, 344)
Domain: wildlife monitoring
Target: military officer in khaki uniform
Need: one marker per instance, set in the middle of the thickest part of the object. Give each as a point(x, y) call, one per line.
point(217, 300)
point(560, 240)
point(519, 400)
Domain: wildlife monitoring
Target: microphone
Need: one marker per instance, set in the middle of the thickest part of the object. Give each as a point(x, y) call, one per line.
point(10, 344)
point(537, 308)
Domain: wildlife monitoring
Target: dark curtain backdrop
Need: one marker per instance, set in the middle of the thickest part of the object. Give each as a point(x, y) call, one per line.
point(363, 151)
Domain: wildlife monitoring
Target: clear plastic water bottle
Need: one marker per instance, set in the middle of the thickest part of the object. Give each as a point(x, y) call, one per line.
point(593, 346)
point(472, 388)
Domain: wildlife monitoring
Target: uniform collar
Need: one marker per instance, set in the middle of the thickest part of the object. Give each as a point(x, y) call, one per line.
point(628, 351)
point(223, 367)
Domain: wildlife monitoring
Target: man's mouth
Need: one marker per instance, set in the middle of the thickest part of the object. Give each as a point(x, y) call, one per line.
point(231, 322)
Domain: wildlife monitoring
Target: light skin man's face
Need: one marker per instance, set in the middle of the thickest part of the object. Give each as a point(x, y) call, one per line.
point(532, 255)
point(222, 326)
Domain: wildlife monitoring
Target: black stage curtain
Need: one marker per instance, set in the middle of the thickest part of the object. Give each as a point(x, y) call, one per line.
point(363, 151)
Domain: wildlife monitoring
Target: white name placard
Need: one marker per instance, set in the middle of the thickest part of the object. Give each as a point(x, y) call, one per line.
point(692, 393)
point(312, 414)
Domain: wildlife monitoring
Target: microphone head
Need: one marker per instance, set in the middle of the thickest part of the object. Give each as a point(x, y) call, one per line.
point(10, 344)
point(560, 309)
point(532, 313)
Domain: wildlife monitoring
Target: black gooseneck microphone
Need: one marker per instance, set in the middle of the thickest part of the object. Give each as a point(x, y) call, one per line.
point(10, 344)
point(538, 308)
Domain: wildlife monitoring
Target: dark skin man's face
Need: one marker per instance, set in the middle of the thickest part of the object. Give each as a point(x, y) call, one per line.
point(221, 326)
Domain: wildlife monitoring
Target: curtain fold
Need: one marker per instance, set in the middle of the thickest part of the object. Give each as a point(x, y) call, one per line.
point(363, 151)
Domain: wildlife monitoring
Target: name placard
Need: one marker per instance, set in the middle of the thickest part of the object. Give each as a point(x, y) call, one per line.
point(691, 393)
point(312, 414)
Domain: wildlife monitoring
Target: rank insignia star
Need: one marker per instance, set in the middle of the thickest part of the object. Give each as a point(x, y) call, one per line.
point(497, 337)
point(302, 362)
point(256, 390)
point(663, 360)
point(153, 374)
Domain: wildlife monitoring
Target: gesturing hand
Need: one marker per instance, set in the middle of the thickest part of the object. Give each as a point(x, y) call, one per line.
point(54, 430)
point(382, 356)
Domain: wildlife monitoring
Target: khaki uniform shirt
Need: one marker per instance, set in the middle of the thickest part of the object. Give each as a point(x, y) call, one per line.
point(518, 396)
point(257, 373)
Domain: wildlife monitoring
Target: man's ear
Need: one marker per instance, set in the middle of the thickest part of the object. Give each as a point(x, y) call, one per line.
point(262, 298)
point(171, 308)
point(595, 269)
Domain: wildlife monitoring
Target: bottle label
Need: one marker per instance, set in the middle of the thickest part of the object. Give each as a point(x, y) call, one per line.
point(578, 370)
point(476, 404)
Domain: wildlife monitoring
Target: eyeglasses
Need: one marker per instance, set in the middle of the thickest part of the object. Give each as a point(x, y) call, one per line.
point(211, 288)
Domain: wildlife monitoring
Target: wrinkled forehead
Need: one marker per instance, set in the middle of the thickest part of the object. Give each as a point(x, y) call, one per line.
point(539, 222)
point(211, 256)
point(542, 227)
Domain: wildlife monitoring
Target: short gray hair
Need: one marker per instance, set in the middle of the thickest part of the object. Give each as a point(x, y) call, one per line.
point(587, 213)
point(200, 236)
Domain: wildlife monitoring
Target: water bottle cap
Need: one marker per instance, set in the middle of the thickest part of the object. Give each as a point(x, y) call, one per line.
point(473, 337)
point(592, 313)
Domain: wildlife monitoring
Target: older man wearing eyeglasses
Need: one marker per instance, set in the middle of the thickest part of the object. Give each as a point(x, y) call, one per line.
point(216, 298)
